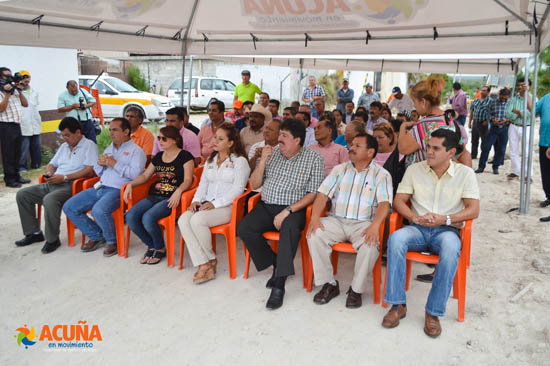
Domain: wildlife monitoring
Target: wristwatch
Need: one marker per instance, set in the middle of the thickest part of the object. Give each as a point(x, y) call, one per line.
point(448, 222)
point(289, 209)
point(65, 179)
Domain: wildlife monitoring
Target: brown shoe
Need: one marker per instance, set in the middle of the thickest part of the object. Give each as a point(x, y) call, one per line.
point(512, 176)
point(204, 274)
point(354, 299)
point(110, 250)
point(391, 320)
point(327, 293)
point(431, 326)
point(92, 245)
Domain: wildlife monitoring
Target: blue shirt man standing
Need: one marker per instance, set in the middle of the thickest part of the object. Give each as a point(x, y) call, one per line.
point(542, 109)
point(344, 95)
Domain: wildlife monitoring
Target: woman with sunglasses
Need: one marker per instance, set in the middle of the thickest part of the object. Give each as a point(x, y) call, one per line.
point(223, 179)
point(174, 169)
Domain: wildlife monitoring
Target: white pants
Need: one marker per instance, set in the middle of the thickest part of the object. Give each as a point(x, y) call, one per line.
point(195, 229)
point(515, 134)
point(338, 230)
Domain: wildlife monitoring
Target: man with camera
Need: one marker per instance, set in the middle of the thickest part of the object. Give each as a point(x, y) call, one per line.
point(11, 114)
point(77, 103)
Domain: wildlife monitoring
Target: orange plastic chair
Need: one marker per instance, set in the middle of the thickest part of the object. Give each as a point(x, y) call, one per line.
point(273, 237)
point(77, 187)
point(348, 248)
point(228, 230)
point(459, 284)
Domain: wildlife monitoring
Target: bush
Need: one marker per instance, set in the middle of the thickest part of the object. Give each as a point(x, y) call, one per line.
point(330, 83)
point(103, 139)
point(136, 79)
point(47, 154)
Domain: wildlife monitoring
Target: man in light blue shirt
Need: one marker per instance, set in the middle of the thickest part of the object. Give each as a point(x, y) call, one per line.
point(368, 97)
point(121, 163)
point(542, 109)
point(74, 159)
point(77, 103)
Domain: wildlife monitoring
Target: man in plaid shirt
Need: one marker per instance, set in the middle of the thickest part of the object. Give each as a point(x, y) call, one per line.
point(313, 92)
point(290, 175)
point(480, 116)
point(11, 114)
point(498, 132)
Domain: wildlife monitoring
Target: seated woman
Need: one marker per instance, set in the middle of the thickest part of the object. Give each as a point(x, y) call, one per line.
point(339, 119)
point(223, 179)
point(174, 168)
point(388, 155)
point(386, 114)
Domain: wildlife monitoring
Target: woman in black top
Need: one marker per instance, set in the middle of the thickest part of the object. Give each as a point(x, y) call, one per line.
point(174, 169)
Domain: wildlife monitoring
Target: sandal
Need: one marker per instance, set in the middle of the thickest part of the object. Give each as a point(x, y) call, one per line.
point(148, 254)
point(204, 274)
point(214, 263)
point(156, 258)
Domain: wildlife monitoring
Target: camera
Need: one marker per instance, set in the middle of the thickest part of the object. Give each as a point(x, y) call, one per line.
point(81, 101)
point(11, 80)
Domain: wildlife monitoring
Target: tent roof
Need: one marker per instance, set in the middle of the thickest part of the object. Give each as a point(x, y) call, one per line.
point(279, 27)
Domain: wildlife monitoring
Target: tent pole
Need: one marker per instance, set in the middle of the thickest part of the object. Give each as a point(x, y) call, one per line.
point(514, 14)
point(522, 210)
point(183, 52)
point(189, 84)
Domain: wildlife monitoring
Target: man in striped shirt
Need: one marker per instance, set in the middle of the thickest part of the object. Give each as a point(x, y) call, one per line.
point(313, 92)
point(361, 194)
point(480, 117)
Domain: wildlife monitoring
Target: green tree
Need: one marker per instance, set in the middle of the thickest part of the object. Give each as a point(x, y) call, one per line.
point(543, 86)
point(330, 84)
point(136, 79)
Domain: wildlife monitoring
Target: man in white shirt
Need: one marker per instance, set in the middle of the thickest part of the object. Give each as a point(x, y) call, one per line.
point(31, 126)
point(74, 159)
point(401, 102)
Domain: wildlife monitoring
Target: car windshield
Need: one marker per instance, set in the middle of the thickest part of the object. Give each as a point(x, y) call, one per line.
point(177, 84)
point(121, 86)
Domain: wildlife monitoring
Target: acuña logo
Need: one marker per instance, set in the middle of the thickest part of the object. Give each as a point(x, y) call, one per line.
point(80, 335)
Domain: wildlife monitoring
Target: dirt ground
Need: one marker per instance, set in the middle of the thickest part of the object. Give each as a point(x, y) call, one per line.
point(155, 314)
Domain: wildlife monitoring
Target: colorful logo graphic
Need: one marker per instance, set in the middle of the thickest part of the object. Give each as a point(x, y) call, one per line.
point(25, 336)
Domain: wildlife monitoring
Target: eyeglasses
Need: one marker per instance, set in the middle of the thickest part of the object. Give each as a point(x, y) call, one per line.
point(163, 138)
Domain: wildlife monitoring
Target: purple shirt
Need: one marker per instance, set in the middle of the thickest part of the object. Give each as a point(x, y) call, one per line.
point(458, 102)
point(333, 154)
point(190, 143)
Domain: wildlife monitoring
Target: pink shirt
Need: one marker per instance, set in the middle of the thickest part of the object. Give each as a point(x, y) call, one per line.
point(190, 143)
point(206, 139)
point(333, 154)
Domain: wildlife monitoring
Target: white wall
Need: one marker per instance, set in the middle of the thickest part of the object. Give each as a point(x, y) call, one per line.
point(50, 69)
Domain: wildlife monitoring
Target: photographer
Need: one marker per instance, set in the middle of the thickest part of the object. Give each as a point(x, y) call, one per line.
point(76, 103)
point(11, 106)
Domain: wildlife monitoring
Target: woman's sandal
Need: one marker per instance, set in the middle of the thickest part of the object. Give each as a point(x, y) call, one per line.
point(148, 254)
point(156, 258)
point(214, 263)
point(204, 274)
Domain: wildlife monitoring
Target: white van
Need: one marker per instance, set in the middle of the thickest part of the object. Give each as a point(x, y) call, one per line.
point(116, 96)
point(203, 90)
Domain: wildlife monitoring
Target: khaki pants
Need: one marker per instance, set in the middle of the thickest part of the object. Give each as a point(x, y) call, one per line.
point(336, 230)
point(195, 229)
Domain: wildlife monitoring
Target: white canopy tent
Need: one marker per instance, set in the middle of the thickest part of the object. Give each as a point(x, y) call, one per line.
point(286, 27)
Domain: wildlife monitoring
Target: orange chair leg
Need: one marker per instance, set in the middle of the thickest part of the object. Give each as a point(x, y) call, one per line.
point(214, 243)
point(170, 233)
point(334, 260)
point(384, 292)
point(70, 233)
point(408, 278)
point(39, 213)
point(232, 255)
point(461, 291)
point(182, 244)
point(127, 241)
point(455, 286)
point(376, 279)
point(247, 262)
point(119, 230)
point(309, 283)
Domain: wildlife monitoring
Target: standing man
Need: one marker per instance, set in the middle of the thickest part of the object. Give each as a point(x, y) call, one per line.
point(344, 95)
point(458, 103)
point(436, 196)
point(498, 132)
point(367, 97)
point(355, 216)
point(333, 154)
point(11, 114)
point(515, 111)
point(74, 159)
point(254, 132)
point(542, 109)
point(77, 103)
point(31, 126)
point(273, 107)
point(290, 175)
point(313, 92)
point(142, 137)
point(400, 101)
point(246, 91)
point(375, 115)
point(215, 120)
point(479, 113)
point(121, 163)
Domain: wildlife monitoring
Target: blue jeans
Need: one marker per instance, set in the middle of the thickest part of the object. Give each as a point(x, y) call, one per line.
point(142, 220)
point(441, 240)
point(32, 143)
point(499, 138)
point(103, 202)
point(461, 120)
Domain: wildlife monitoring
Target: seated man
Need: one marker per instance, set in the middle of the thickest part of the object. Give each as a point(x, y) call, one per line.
point(305, 117)
point(290, 175)
point(352, 129)
point(208, 130)
point(121, 163)
point(274, 106)
point(254, 132)
point(271, 138)
point(74, 159)
point(375, 118)
point(443, 194)
point(140, 135)
point(176, 117)
point(289, 112)
point(307, 109)
point(333, 154)
point(186, 124)
point(348, 116)
point(243, 121)
point(361, 192)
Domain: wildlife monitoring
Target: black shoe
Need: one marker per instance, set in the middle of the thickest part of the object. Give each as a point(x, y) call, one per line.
point(13, 185)
point(479, 170)
point(271, 282)
point(545, 203)
point(428, 278)
point(490, 162)
point(23, 180)
point(545, 219)
point(30, 239)
point(275, 300)
point(51, 247)
point(495, 171)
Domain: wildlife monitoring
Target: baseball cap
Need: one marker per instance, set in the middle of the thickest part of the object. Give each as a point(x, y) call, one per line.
point(24, 73)
point(345, 79)
point(238, 104)
point(396, 90)
point(368, 85)
point(245, 72)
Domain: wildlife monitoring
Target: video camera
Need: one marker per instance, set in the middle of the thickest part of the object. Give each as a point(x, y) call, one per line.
point(11, 80)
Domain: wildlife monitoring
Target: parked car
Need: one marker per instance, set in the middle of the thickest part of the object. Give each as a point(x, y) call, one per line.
point(116, 96)
point(203, 91)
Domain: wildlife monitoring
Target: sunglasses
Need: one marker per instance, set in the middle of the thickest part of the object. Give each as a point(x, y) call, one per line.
point(163, 138)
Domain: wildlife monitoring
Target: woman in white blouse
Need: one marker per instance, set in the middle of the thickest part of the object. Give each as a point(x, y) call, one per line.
point(223, 179)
